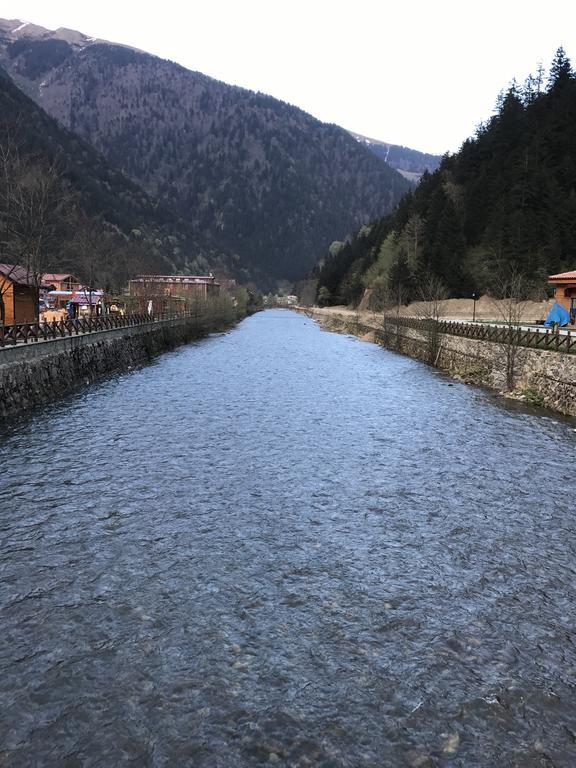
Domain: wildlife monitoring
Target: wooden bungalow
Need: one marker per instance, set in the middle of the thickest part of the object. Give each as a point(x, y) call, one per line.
point(565, 291)
point(19, 293)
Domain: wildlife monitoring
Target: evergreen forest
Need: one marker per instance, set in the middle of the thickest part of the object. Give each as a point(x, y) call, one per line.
point(504, 205)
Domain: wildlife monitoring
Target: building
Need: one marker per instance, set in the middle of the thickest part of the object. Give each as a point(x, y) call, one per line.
point(83, 301)
point(565, 291)
point(286, 301)
point(19, 292)
point(61, 282)
point(170, 293)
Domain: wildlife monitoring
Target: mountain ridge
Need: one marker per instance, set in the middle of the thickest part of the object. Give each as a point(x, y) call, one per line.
point(265, 182)
point(411, 163)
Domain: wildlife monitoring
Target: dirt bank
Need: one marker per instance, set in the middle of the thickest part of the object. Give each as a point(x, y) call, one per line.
point(487, 309)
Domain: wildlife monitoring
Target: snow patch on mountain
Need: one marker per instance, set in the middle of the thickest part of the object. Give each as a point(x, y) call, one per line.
point(18, 29)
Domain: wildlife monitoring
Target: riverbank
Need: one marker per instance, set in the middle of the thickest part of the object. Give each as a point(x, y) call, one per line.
point(541, 377)
point(35, 374)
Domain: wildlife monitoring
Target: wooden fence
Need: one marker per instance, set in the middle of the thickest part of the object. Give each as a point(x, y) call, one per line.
point(58, 329)
point(536, 338)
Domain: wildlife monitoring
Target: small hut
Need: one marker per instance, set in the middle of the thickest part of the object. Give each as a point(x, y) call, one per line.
point(19, 294)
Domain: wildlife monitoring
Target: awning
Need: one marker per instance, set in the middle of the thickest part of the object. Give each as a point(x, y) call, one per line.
point(87, 299)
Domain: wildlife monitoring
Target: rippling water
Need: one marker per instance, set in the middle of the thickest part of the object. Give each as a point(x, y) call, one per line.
point(283, 546)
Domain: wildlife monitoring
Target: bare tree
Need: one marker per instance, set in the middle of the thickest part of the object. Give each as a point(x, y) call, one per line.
point(509, 296)
point(7, 273)
point(89, 254)
point(395, 291)
point(33, 212)
point(391, 297)
point(430, 309)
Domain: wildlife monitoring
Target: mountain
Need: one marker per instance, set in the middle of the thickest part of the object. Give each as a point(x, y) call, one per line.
point(502, 208)
point(252, 176)
point(409, 162)
point(122, 207)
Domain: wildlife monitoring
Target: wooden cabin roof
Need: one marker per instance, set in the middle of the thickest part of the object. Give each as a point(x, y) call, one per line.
point(18, 275)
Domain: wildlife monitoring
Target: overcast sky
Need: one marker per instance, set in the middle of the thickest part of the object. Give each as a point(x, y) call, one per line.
point(420, 73)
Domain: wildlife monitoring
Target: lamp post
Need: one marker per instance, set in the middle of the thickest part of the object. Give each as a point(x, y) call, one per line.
point(474, 308)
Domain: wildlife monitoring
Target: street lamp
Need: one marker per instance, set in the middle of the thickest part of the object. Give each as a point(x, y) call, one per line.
point(474, 308)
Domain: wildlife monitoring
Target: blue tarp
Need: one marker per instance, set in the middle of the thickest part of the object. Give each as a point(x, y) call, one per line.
point(558, 315)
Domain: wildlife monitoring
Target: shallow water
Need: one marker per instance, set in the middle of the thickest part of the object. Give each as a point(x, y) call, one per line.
point(284, 546)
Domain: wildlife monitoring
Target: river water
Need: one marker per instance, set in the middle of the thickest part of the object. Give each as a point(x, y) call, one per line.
point(281, 546)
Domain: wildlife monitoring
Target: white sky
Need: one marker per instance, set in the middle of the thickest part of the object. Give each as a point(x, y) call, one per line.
point(422, 74)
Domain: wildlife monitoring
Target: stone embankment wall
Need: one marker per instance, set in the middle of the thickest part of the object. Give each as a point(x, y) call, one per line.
point(542, 377)
point(33, 374)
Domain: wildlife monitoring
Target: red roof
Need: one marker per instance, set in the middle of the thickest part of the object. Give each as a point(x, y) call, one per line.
point(51, 277)
point(563, 276)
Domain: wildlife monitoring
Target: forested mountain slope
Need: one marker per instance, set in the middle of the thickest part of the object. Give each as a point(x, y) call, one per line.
point(504, 204)
point(94, 190)
point(257, 178)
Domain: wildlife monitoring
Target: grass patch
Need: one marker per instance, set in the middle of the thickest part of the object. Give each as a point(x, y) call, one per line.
point(533, 397)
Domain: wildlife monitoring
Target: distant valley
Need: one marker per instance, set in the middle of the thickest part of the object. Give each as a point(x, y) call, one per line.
point(409, 162)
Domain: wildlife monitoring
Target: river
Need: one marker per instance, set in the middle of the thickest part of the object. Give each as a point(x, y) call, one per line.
point(281, 546)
